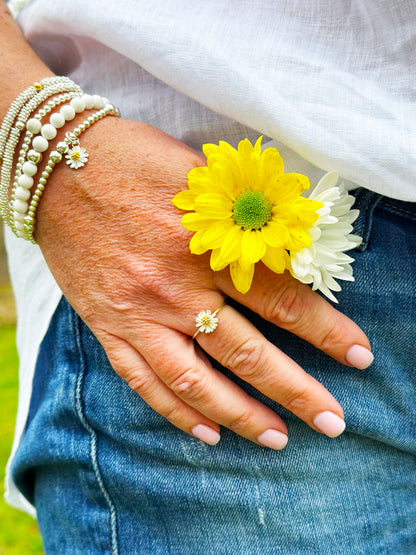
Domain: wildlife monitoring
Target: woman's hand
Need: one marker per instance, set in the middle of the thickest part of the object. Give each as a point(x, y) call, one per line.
point(114, 243)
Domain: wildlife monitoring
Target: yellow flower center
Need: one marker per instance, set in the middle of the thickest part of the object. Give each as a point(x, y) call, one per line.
point(252, 209)
point(75, 155)
point(206, 320)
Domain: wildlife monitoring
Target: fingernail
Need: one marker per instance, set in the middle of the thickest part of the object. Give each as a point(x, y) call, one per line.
point(206, 434)
point(329, 423)
point(360, 357)
point(273, 439)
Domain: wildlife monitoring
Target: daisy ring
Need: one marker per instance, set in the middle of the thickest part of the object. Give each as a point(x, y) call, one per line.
point(206, 321)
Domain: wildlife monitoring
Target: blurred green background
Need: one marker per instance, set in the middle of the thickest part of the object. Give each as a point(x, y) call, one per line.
point(18, 531)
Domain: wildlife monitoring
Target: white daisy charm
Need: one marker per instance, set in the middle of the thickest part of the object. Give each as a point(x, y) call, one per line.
point(76, 157)
point(206, 321)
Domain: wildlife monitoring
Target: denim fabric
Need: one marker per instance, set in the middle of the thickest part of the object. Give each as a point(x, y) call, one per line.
point(109, 475)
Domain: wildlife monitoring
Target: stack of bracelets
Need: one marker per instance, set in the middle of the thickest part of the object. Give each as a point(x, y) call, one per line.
point(18, 210)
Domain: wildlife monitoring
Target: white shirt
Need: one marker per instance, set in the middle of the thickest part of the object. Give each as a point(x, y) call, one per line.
point(332, 82)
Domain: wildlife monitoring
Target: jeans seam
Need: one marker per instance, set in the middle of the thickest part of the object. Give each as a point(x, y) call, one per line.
point(79, 407)
point(395, 209)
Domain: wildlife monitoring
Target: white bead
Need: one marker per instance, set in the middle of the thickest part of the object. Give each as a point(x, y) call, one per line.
point(29, 168)
point(48, 131)
point(77, 104)
point(57, 120)
point(89, 101)
point(34, 126)
point(21, 234)
point(18, 217)
point(22, 193)
point(98, 101)
point(40, 144)
point(25, 181)
point(67, 112)
point(19, 226)
point(20, 206)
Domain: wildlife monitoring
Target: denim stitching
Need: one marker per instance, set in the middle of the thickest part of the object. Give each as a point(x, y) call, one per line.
point(93, 437)
point(394, 209)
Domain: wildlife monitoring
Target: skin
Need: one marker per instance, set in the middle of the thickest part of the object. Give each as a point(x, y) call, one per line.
point(113, 241)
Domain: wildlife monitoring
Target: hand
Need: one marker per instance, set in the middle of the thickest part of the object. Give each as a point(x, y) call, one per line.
point(113, 241)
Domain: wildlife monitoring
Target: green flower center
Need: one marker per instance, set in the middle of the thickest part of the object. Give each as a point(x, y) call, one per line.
point(252, 209)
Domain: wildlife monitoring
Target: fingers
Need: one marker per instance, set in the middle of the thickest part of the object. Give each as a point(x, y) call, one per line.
point(292, 305)
point(132, 367)
point(192, 379)
point(188, 389)
point(239, 346)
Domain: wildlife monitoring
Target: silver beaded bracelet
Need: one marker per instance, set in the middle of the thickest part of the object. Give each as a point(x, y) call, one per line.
point(15, 121)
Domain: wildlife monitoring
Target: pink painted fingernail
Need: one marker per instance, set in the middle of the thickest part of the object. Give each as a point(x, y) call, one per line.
point(329, 423)
point(206, 434)
point(360, 357)
point(273, 439)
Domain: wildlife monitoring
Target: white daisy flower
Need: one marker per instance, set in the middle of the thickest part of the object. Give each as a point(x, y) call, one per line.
point(325, 260)
point(206, 321)
point(76, 157)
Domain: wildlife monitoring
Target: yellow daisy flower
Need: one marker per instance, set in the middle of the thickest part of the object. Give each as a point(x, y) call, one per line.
point(245, 209)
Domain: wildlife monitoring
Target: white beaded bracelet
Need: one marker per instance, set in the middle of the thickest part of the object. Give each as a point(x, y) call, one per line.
point(20, 111)
point(76, 157)
point(40, 144)
point(32, 125)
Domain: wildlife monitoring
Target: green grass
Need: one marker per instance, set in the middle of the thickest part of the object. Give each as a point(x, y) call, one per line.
point(18, 531)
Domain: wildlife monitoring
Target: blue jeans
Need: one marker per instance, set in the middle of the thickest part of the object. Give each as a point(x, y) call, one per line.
point(109, 475)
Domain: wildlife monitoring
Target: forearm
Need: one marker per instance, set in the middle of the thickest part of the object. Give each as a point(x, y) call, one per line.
point(19, 65)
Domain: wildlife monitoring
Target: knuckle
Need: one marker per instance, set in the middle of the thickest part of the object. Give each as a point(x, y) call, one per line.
point(297, 398)
point(285, 306)
point(331, 336)
point(140, 384)
point(191, 385)
point(246, 358)
point(241, 423)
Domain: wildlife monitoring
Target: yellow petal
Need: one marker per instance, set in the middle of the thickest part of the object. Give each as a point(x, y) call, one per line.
point(275, 234)
point(275, 259)
point(245, 149)
point(196, 222)
point(209, 149)
point(242, 279)
point(213, 236)
point(195, 244)
point(288, 188)
point(214, 205)
point(216, 262)
point(231, 246)
point(253, 246)
point(185, 200)
point(299, 238)
point(271, 167)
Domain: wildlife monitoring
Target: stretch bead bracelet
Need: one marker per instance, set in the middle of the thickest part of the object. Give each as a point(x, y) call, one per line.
point(20, 124)
point(76, 157)
point(33, 156)
point(20, 195)
point(42, 93)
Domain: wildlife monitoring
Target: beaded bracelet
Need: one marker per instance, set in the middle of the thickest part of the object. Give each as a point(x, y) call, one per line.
point(32, 155)
point(20, 111)
point(76, 157)
point(42, 134)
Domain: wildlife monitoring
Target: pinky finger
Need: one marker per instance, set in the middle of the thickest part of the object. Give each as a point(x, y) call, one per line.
point(140, 377)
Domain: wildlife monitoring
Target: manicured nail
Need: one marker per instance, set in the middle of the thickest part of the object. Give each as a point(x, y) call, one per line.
point(273, 439)
point(329, 424)
point(359, 357)
point(207, 434)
